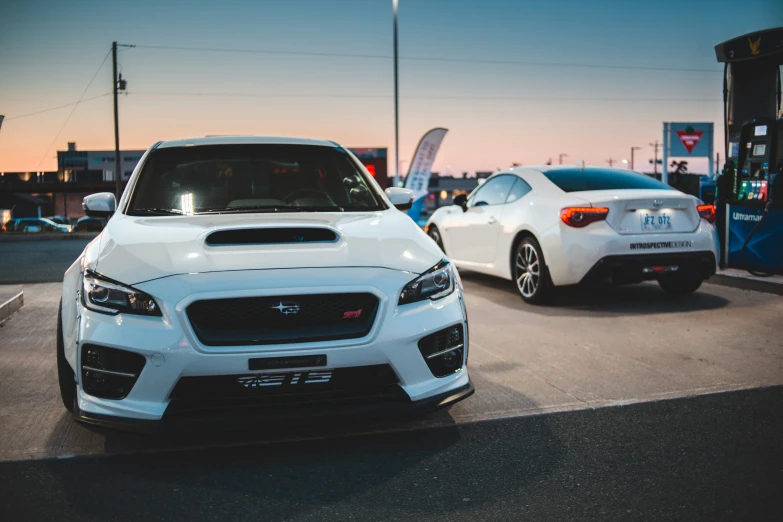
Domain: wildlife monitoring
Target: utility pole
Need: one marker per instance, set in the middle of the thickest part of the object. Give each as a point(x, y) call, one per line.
point(610, 161)
point(115, 84)
point(632, 151)
point(561, 156)
point(655, 147)
point(118, 85)
point(396, 103)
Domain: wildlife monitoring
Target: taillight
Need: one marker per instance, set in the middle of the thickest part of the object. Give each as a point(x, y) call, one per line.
point(707, 213)
point(579, 217)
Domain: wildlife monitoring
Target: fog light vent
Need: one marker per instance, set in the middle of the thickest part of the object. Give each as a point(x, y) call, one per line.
point(109, 373)
point(444, 350)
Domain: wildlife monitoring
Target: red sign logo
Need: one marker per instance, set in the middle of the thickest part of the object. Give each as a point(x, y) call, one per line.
point(689, 137)
point(352, 314)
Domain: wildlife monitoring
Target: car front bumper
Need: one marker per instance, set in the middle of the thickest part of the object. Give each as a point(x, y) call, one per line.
point(223, 420)
point(172, 351)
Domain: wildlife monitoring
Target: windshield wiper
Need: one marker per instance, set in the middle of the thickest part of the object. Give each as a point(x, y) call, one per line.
point(155, 212)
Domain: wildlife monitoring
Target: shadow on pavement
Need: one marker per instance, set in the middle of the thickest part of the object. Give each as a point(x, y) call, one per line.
point(639, 299)
point(409, 473)
point(715, 457)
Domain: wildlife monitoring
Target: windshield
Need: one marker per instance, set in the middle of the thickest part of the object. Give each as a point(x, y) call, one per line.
point(578, 180)
point(251, 178)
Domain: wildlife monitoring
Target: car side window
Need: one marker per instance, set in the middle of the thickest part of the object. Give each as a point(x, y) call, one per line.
point(492, 192)
point(518, 190)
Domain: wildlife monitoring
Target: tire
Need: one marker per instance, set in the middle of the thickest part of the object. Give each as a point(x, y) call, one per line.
point(531, 276)
point(64, 372)
point(680, 284)
point(434, 234)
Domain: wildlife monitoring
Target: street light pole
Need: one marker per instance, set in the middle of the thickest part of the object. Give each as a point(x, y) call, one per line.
point(396, 103)
point(632, 151)
point(561, 156)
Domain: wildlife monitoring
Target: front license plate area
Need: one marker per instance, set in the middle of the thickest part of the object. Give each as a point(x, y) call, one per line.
point(655, 221)
point(295, 361)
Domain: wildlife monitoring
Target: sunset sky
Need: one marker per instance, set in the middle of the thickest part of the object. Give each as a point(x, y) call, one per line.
point(496, 113)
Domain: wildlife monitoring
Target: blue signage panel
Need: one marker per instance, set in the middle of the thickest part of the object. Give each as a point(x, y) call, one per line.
point(765, 250)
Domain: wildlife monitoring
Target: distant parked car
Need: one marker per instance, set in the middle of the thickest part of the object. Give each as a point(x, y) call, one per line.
point(35, 225)
point(550, 226)
point(89, 224)
point(61, 220)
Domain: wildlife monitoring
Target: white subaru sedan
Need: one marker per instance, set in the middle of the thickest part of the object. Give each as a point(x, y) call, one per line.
point(252, 279)
point(544, 227)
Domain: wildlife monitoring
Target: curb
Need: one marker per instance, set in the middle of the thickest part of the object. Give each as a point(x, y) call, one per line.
point(11, 306)
point(748, 282)
point(46, 237)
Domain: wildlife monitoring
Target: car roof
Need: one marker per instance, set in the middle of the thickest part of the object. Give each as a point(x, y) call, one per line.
point(573, 166)
point(244, 140)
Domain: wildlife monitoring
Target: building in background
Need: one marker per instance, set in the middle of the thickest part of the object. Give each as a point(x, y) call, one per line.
point(99, 165)
point(95, 165)
point(443, 189)
point(83, 172)
point(374, 159)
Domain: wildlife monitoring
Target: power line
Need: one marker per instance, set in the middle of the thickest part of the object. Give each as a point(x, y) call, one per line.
point(370, 96)
point(58, 107)
point(561, 64)
point(423, 97)
point(72, 110)
point(427, 59)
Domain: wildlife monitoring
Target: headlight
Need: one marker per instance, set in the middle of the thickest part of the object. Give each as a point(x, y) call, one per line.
point(111, 297)
point(435, 283)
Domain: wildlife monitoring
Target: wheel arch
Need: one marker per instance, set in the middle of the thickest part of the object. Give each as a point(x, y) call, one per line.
point(518, 237)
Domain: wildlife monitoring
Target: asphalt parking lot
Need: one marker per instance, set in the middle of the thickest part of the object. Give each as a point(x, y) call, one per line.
point(568, 421)
point(26, 261)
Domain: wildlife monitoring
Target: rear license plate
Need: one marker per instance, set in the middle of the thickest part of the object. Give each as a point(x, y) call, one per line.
point(276, 363)
point(656, 221)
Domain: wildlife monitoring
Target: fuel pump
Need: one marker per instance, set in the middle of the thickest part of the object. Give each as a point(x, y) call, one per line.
point(757, 185)
point(749, 198)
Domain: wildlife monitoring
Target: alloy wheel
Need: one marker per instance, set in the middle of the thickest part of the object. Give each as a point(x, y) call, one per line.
point(528, 270)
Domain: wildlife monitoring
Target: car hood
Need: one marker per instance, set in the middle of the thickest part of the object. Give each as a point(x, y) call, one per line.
point(137, 249)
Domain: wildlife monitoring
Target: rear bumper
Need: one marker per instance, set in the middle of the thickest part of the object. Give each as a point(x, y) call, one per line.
point(574, 252)
point(634, 268)
point(219, 420)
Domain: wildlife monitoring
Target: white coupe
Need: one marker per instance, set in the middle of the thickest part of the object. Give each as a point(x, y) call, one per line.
point(257, 278)
point(544, 227)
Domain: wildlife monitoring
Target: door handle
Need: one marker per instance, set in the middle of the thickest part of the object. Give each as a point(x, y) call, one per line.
point(492, 221)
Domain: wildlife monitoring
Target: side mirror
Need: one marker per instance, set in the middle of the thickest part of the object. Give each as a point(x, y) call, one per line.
point(461, 201)
point(400, 197)
point(101, 205)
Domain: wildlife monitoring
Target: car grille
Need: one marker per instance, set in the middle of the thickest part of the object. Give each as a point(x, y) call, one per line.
point(283, 319)
point(317, 390)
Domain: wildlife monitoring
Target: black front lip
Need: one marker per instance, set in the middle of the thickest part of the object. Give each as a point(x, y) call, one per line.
point(259, 417)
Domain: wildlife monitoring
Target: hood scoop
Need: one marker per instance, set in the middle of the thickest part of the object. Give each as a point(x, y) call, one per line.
point(271, 236)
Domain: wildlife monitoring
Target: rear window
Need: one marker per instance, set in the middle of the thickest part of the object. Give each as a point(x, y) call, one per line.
point(578, 180)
